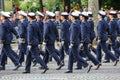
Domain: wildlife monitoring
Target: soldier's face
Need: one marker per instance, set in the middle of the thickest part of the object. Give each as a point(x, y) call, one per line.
point(61, 17)
point(2, 18)
point(71, 18)
point(118, 15)
point(37, 17)
point(99, 16)
point(20, 17)
point(81, 18)
point(110, 16)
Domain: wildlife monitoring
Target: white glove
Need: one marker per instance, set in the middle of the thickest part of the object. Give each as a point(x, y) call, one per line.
point(98, 41)
point(62, 42)
point(29, 47)
point(44, 45)
point(118, 39)
point(20, 41)
point(109, 41)
point(80, 46)
point(71, 45)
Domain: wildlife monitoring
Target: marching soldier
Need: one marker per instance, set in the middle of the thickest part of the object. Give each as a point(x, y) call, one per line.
point(6, 41)
point(22, 31)
point(65, 35)
point(85, 39)
point(33, 35)
point(102, 30)
point(74, 43)
point(39, 17)
point(39, 21)
point(92, 33)
point(113, 32)
point(49, 37)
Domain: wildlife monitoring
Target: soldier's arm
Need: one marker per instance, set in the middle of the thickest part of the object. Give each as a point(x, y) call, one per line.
point(29, 34)
point(46, 31)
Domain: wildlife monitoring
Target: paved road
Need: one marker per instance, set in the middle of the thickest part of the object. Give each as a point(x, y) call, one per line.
point(106, 72)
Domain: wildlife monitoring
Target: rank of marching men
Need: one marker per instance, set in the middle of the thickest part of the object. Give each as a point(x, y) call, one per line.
point(44, 37)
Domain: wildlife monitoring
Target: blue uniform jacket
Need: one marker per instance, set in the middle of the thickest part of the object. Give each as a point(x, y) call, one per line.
point(22, 29)
point(113, 29)
point(40, 23)
point(33, 33)
point(50, 32)
point(118, 22)
point(2, 33)
point(65, 33)
point(9, 31)
point(85, 33)
point(75, 33)
point(102, 30)
point(92, 32)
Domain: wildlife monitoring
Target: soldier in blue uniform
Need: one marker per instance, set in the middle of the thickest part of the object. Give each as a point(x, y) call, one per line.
point(39, 17)
point(118, 38)
point(33, 35)
point(92, 33)
point(65, 35)
point(85, 39)
point(8, 31)
point(22, 31)
point(74, 43)
point(113, 32)
point(39, 20)
point(102, 30)
point(49, 37)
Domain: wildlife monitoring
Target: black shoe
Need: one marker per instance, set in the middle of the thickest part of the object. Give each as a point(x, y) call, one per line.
point(45, 70)
point(116, 62)
point(69, 71)
point(26, 72)
point(34, 64)
point(89, 68)
point(98, 66)
point(78, 68)
point(16, 68)
point(106, 61)
point(41, 68)
point(61, 65)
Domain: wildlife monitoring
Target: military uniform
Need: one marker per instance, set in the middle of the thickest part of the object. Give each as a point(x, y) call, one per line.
point(85, 40)
point(22, 31)
point(33, 35)
point(65, 36)
point(102, 29)
point(74, 43)
point(6, 50)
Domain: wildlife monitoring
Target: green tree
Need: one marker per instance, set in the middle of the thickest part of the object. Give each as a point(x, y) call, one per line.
point(31, 5)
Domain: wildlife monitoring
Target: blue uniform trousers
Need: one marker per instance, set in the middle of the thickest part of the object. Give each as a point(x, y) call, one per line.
point(50, 50)
point(34, 51)
point(89, 55)
point(7, 51)
point(65, 47)
point(103, 45)
point(22, 52)
point(73, 54)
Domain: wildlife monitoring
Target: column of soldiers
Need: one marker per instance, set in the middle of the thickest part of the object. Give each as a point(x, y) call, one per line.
point(37, 34)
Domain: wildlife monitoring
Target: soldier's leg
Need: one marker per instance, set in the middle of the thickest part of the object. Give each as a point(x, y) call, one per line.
point(9, 53)
point(90, 56)
point(35, 52)
point(99, 55)
point(108, 52)
point(50, 49)
point(28, 61)
point(115, 48)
